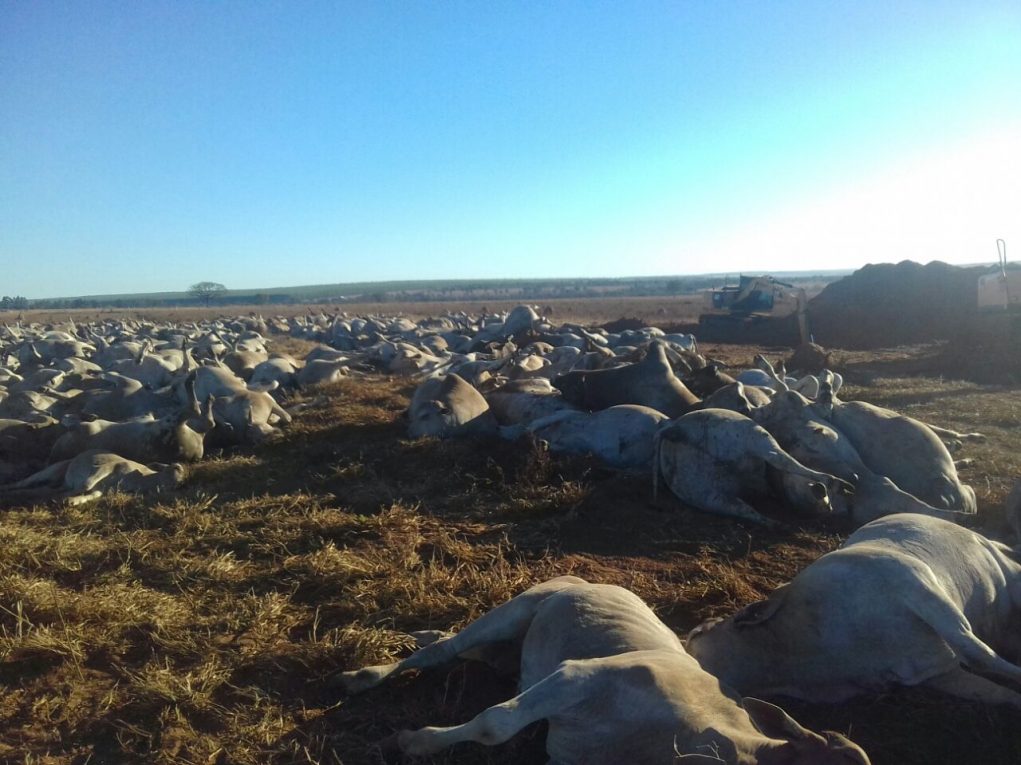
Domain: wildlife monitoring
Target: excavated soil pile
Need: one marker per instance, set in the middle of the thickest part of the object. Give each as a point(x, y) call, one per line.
point(884, 305)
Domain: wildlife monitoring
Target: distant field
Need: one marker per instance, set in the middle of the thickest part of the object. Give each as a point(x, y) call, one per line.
point(658, 311)
point(530, 290)
point(654, 310)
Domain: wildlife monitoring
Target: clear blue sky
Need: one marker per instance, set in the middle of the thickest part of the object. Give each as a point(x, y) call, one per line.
point(146, 146)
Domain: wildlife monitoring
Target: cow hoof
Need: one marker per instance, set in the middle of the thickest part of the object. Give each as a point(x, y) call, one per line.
point(423, 638)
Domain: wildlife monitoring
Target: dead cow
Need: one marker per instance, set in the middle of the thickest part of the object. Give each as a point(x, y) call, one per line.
point(908, 600)
point(908, 452)
point(793, 421)
point(737, 397)
point(523, 401)
point(92, 473)
point(712, 458)
point(174, 437)
point(448, 406)
point(707, 380)
point(616, 686)
point(650, 382)
point(621, 436)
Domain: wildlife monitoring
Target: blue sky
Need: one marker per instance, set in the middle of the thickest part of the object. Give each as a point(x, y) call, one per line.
point(146, 146)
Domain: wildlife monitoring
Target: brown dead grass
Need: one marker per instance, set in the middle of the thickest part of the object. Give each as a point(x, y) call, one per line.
point(205, 628)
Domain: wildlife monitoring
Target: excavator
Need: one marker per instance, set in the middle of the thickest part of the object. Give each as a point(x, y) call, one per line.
point(758, 309)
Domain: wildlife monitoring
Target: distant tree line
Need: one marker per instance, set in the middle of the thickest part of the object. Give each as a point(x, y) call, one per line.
point(183, 302)
point(16, 303)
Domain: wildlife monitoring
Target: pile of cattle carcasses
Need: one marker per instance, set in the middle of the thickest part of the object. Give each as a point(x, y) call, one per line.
point(120, 405)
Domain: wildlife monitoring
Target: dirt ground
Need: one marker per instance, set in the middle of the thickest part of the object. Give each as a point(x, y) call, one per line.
point(206, 627)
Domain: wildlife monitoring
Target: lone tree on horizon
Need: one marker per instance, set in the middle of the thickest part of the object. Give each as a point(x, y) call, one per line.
point(206, 291)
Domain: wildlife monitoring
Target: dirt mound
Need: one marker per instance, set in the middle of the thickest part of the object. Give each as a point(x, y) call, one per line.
point(809, 358)
point(885, 305)
point(623, 325)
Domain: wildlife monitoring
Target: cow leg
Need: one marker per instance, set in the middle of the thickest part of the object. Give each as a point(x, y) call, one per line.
point(97, 477)
point(52, 475)
point(555, 693)
point(959, 517)
point(777, 458)
point(506, 622)
point(945, 433)
point(931, 606)
point(493, 654)
point(280, 412)
point(423, 638)
point(965, 685)
point(735, 507)
point(81, 499)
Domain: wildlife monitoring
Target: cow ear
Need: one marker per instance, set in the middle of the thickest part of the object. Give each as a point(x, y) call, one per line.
point(773, 722)
point(757, 613)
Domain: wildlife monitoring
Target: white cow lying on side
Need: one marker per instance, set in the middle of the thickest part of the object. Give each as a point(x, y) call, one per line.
point(712, 458)
point(908, 600)
point(92, 473)
point(446, 407)
point(908, 452)
point(793, 421)
point(616, 686)
point(622, 436)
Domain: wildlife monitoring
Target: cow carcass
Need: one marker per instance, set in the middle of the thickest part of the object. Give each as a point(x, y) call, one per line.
point(616, 686)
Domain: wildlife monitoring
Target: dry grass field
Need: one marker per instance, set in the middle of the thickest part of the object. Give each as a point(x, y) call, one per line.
point(683, 309)
point(205, 628)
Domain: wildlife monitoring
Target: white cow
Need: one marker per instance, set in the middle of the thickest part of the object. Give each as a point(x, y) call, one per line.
point(622, 436)
point(794, 422)
point(616, 686)
point(908, 600)
point(87, 476)
point(448, 406)
point(712, 458)
point(908, 452)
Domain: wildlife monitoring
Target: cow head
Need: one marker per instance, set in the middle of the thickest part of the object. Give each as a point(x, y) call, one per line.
point(169, 477)
point(813, 495)
point(707, 380)
point(571, 387)
point(803, 746)
point(429, 418)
